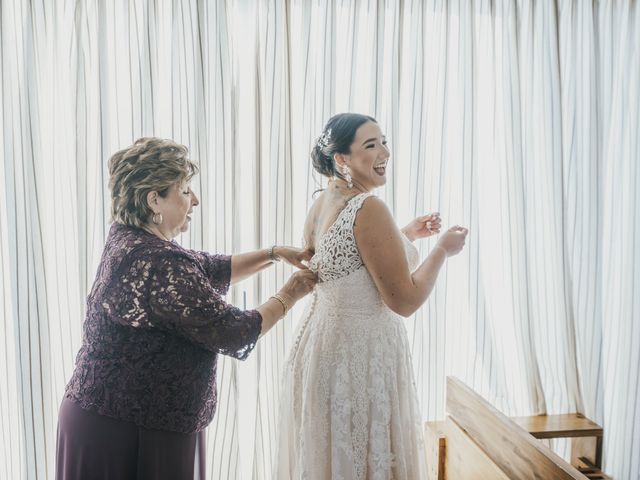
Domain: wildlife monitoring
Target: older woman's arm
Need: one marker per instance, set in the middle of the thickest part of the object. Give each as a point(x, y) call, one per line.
point(172, 292)
point(244, 265)
point(219, 271)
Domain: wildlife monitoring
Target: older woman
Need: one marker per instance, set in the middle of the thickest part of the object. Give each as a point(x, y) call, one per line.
point(144, 385)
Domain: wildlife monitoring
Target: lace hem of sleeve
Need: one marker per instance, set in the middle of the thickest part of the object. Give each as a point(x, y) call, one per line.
point(218, 268)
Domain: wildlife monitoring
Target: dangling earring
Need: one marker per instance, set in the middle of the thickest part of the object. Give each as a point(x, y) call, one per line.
point(347, 176)
point(157, 218)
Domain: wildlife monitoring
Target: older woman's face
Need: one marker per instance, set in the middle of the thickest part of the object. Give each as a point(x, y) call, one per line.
point(176, 209)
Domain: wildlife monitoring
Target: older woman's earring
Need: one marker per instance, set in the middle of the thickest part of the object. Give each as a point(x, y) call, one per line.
point(347, 176)
point(157, 218)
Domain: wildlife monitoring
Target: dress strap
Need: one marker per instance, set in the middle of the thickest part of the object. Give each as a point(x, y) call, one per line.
point(355, 204)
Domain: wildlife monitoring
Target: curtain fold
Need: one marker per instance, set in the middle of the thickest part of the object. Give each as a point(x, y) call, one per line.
point(517, 118)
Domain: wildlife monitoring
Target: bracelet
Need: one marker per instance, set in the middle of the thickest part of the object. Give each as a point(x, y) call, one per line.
point(272, 256)
point(285, 306)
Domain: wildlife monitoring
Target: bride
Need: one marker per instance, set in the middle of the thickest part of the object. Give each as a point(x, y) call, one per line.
point(349, 408)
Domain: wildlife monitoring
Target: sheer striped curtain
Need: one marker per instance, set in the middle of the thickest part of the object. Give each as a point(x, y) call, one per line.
point(518, 118)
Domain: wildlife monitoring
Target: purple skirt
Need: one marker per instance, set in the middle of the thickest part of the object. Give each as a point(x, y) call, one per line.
point(92, 446)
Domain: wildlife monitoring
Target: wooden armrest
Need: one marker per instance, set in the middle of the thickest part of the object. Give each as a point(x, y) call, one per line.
point(568, 425)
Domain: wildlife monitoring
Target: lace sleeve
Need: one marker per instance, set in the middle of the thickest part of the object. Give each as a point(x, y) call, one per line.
point(172, 292)
point(218, 269)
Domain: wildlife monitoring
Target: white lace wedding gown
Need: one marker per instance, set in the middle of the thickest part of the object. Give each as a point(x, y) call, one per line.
point(349, 408)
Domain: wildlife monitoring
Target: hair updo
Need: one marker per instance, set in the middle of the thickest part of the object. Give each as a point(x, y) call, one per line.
point(337, 137)
point(150, 164)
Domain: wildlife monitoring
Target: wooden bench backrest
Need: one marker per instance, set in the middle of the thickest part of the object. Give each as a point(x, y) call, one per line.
point(508, 446)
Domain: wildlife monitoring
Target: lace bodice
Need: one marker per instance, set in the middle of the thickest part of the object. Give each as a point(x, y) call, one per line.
point(337, 253)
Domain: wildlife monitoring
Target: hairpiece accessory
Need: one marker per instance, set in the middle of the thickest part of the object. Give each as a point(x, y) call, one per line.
point(325, 139)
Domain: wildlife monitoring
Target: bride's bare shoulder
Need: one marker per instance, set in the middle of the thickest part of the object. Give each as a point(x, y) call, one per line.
point(372, 212)
point(311, 222)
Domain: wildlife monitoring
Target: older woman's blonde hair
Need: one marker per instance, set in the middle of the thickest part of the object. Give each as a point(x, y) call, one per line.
point(150, 164)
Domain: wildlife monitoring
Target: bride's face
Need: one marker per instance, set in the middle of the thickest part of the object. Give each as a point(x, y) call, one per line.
point(368, 158)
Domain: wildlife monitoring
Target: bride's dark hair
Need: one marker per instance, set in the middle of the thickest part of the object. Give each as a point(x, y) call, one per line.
point(337, 137)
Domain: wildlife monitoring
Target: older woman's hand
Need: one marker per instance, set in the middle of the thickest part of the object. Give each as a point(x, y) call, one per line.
point(294, 256)
point(300, 283)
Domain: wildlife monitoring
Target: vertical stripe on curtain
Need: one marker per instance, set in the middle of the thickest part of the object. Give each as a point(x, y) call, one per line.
point(517, 118)
point(619, 78)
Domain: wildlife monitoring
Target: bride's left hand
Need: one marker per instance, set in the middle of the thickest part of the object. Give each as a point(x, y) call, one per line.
point(294, 256)
point(423, 227)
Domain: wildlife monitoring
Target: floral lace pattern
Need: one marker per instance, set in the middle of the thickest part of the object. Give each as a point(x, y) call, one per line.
point(155, 323)
point(337, 254)
point(349, 408)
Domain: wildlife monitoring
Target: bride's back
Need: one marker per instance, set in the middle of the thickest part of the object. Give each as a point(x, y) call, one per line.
point(323, 214)
point(329, 230)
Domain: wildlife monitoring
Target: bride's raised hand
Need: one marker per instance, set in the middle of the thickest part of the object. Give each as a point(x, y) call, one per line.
point(452, 241)
point(423, 227)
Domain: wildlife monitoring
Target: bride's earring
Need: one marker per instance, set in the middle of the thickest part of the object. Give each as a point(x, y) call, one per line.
point(347, 176)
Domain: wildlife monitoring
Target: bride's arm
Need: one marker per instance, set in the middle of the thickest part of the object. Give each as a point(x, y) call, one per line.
point(382, 250)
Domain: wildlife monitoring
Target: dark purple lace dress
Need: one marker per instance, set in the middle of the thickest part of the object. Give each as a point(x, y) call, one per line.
point(155, 323)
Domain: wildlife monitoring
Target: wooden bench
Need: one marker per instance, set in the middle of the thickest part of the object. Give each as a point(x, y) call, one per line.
point(476, 441)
